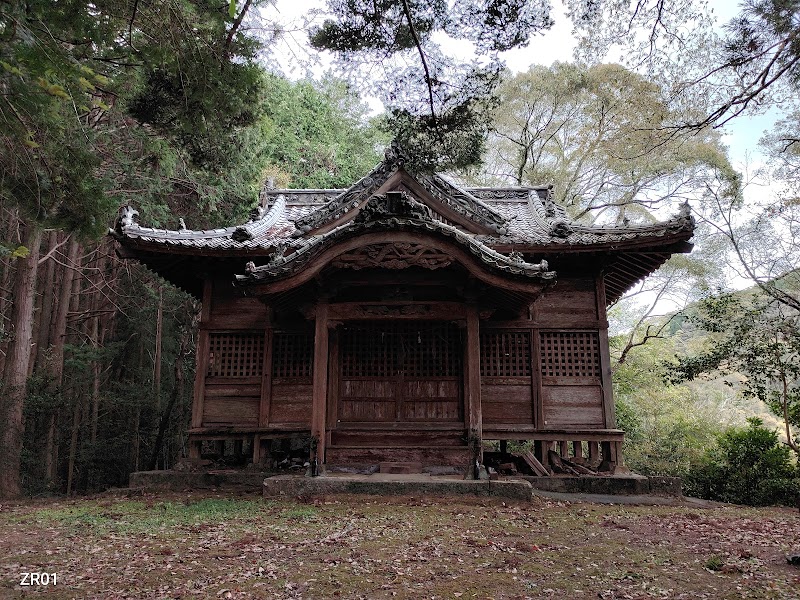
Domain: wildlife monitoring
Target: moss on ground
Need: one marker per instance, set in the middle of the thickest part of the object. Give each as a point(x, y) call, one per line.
point(195, 545)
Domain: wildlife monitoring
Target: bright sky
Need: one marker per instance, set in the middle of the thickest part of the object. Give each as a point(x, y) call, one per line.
point(557, 44)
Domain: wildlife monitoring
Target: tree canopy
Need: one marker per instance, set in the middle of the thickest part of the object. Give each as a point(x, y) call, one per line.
point(601, 136)
point(439, 105)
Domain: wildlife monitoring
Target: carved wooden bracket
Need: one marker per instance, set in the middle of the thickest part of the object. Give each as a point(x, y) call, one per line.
point(393, 256)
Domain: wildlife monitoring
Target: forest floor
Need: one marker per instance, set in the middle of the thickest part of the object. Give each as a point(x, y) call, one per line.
point(241, 546)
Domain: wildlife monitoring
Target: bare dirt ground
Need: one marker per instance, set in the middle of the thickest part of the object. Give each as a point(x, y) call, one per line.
point(196, 545)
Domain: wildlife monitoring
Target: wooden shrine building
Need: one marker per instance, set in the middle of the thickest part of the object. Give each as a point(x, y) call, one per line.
point(406, 319)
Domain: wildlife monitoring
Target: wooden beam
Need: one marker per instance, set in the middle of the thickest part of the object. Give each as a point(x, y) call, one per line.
point(472, 393)
point(266, 374)
point(609, 418)
point(405, 310)
point(201, 362)
point(320, 379)
point(536, 379)
point(333, 377)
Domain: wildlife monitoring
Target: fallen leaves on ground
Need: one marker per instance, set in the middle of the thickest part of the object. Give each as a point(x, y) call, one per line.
point(196, 545)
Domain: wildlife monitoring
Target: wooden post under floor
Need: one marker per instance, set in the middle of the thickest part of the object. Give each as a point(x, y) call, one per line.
point(320, 391)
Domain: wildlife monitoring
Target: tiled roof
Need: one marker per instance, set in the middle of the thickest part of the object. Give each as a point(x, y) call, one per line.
point(530, 218)
point(394, 212)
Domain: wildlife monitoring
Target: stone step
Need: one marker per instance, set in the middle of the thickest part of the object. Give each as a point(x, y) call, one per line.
point(401, 468)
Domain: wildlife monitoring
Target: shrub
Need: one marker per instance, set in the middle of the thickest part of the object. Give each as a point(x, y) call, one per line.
point(750, 465)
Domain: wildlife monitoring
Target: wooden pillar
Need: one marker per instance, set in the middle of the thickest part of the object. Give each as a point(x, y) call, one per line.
point(563, 448)
point(609, 415)
point(257, 450)
point(594, 451)
point(609, 451)
point(577, 451)
point(266, 375)
point(201, 366)
point(472, 393)
point(320, 392)
point(536, 380)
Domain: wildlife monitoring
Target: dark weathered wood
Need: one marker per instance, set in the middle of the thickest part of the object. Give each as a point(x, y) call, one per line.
point(232, 391)
point(201, 362)
point(266, 375)
point(320, 379)
point(574, 407)
point(610, 451)
point(407, 310)
point(560, 465)
point(376, 437)
point(458, 253)
point(228, 309)
point(564, 448)
point(457, 456)
point(333, 380)
point(577, 450)
point(594, 451)
point(274, 431)
point(610, 419)
point(570, 299)
point(472, 391)
point(538, 468)
point(291, 402)
point(577, 467)
point(231, 410)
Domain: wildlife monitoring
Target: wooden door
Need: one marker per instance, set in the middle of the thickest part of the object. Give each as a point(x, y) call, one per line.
point(396, 371)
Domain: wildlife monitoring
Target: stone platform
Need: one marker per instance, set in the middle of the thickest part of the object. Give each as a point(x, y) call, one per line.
point(383, 484)
point(292, 485)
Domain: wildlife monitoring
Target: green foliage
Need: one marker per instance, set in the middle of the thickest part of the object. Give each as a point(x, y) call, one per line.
point(601, 136)
point(13, 251)
point(74, 72)
point(316, 135)
point(750, 465)
point(668, 428)
point(753, 336)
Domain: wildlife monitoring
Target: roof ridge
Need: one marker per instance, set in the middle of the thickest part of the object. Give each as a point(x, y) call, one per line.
point(450, 194)
point(260, 221)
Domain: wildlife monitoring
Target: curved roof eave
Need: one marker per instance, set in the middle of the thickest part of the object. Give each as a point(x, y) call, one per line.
point(323, 249)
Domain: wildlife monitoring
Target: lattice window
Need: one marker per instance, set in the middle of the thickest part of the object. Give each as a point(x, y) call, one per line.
point(420, 349)
point(293, 354)
point(236, 354)
point(431, 350)
point(505, 354)
point(570, 354)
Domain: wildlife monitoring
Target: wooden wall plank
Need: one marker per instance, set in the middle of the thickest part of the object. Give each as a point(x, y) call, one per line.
point(573, 298)
point(230, 310)
point(506, 404)
point(573, 406)
point(241, 411)
point(232, 391)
